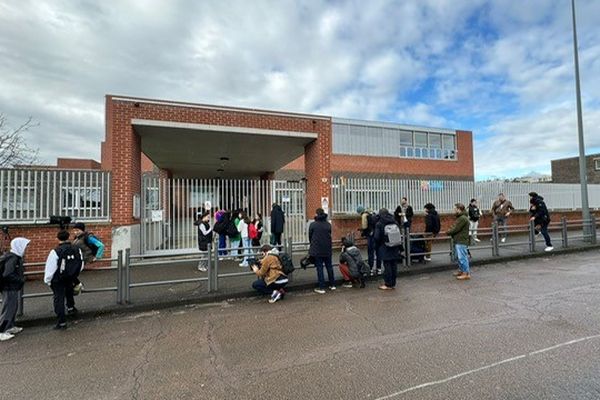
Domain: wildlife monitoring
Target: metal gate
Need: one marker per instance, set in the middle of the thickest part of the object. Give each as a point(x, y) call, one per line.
point(170, 207)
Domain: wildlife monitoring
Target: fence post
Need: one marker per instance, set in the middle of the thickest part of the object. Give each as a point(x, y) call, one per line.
point(120, 277)
point(127, 267)
point(593, 230)
point(531, 236)
point(495, 246)
point(215, 271)
point(407, 246)
point(564, 232)
point(209, 254)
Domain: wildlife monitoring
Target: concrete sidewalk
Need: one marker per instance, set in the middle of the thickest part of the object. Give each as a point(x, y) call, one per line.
point(39, 310)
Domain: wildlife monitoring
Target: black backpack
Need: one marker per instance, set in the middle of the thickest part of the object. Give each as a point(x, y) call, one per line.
point(287, 265)
point(69, 262)
point(232, 230)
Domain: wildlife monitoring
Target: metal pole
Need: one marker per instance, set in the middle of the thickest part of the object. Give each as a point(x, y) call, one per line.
point(531, 237)
point(593, 230)
point(215, 271)
point(210, 267)
point(564, 232)
point(407, 246)
point(127, 275)
point(495, 246)
point(120, 277)
point(585, 208)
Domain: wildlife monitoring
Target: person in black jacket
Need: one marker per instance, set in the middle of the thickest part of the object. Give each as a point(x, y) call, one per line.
point(541, 217)
point(319, 236)
point(277, 224)
point(12, 281)
point(404, 214)
point(389, 255)
point(432, 227)
point(474, 215)
point(205, 237)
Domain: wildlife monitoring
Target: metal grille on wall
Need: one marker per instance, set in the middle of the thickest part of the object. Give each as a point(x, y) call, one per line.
point(30, 196)
point(349, 193)
point(170, 207)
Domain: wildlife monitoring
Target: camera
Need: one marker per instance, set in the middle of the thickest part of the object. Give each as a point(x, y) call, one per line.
point(62, 220)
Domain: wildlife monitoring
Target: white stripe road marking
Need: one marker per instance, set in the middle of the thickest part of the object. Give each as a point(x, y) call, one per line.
point(473, 371)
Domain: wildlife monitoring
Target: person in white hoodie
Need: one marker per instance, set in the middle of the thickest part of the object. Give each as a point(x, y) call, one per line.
point(63, 265)
point(246, 241)
point(12, 281)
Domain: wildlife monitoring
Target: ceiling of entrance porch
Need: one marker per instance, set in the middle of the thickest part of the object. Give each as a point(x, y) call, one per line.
point(200, 151)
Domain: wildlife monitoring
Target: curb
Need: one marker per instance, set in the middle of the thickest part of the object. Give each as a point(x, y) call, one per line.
point(120, 310)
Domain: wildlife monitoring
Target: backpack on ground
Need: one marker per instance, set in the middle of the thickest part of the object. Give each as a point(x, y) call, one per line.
point(69, 262)
point(252, 231)
point(393, 235)
point(89, 243)
point(287, 265)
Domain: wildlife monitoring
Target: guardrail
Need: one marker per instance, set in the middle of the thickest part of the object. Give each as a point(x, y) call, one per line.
point(125, 262)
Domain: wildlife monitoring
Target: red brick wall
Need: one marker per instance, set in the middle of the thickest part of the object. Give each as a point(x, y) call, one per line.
point(77, 163)
point(147, 164)
point(43, 239)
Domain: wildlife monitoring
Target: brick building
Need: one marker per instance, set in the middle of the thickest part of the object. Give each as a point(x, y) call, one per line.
point(566, 170)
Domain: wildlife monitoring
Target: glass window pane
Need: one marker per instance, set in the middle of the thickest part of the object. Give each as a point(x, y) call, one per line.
point(448, 142)
point(402, 151)
point(406, 138)
point(438, 153)
point(417, 152)
point(435, 140)
point(409, 151)
point(432, 153)
point(421, 139)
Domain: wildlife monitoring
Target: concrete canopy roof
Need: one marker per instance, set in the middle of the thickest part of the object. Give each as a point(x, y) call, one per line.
point(195, 150)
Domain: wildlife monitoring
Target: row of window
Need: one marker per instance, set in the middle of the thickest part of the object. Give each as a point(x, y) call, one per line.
point(392, 142)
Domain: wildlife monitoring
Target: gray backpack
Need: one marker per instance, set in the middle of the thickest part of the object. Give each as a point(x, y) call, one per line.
point(393, 234)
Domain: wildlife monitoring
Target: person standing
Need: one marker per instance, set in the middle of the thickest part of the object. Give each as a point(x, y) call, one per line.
point(243, 226)
point(277, 224)
point(205, 237)
point(459, 232)
point(233, 231)
point(258, 227)
point(12, 280)
point(368, 220)
point(222, 218)
point(432, 228)
point(501, 210)
point(388, 237)
point(541, 217)
point(474, 215)
point(64, 263)
point(319, 236)
point(404, 214)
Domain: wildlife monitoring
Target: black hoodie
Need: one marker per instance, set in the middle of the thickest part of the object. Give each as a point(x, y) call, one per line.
point(540, 213)
point(277, 219)
point(319, 236)
point(432, 222)
point(384, 252)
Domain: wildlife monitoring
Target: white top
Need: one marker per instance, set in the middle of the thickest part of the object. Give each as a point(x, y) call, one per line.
point(243, 229)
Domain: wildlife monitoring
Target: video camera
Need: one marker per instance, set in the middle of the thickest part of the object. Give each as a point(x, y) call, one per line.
point(62, 220)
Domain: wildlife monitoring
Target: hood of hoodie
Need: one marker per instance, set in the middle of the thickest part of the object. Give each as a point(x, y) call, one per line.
point(386, 219)
point(460, 214)
point(277, 207)
point(321, 217)
point(18, 246)
point(273, 252)
point(432, 211)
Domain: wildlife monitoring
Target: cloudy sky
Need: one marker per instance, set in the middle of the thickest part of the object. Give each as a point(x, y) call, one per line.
point(501, 68)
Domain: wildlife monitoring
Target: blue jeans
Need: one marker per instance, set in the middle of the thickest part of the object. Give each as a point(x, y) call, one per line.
point(371, 251)
point(235, 245)
point(462, 253)
point(544, 231)
point(261, 286)
point(390, 272)
point(321, 262)
point(247, 243)
point(222, 245)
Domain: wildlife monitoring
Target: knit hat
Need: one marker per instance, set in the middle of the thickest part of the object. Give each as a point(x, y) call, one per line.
point(80, 226)
point(360, 209)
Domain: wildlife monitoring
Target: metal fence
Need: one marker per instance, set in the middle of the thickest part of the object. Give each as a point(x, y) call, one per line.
point(349, 193)
point(32, 196)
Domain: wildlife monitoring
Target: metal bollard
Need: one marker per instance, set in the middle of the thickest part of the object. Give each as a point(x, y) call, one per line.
point(120, 277)
point(495, 237)
point(214, 277)
point(564, 232)
point(593, 230)
point(127, 279)
point(209, 254)
point(407, 246)
point(531, 237)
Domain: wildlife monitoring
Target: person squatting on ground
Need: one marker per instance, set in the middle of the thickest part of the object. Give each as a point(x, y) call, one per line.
point(91, 248)
point(319, 236)
point(404, 214)
point(205, 237)
point(474, 215)
point(432, 228)
point(459, 232)
point(388, 237)
point(12, 279)
point(63, 265)
point(501, 210)
point(368, 220)
point(541, 217)
point(271, 279)
point(352, 266)
point(277, 224)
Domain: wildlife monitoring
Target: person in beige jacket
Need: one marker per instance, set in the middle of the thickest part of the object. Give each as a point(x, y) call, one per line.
point(501, 210)
point(271, 279)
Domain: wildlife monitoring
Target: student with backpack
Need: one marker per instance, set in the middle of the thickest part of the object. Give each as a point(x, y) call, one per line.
point(91, 248)
point(368, 220)
point(12, 280)
point(389, 247)
point(63, 265)
point(432, 228)
point(352, 266)
point(271, 277)
point(222, 220)
point(205, 237)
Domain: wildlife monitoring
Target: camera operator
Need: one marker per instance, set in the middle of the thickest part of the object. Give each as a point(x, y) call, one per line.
point(271, 279)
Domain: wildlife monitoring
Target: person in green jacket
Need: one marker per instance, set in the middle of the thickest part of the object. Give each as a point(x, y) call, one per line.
point(459, 232)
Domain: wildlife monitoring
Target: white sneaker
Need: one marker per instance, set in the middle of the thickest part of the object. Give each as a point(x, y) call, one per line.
point(348, 285)
point(202, 268)
point(503, 240)
point(275, 296)
point(549, 248)
point(427, 258)
point(14, 330)
point(6, 336)
point(242, 265)
point(477, 240)
point(332, 288)
point(320, 291)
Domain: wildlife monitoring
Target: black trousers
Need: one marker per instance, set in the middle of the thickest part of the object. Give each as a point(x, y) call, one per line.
point(62, 291)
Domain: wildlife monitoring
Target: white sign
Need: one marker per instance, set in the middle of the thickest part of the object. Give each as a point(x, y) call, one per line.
point(325, 204)
point(207, 205)
point(156, 215)
point(285, 199)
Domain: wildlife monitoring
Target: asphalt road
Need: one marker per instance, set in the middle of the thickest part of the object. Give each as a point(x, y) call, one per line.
point(520, 330)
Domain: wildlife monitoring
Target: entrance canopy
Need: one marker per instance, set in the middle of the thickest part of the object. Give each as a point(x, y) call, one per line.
point(207, 151)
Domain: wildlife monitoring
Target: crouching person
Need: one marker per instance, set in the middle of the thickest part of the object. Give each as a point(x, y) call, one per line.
point(352, 266)
point(12, 279)
point(63, 266)
point(271, 279)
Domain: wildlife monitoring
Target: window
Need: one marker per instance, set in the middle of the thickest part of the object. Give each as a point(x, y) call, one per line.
point(420, 139)
point(435, 141)
point(597, 164)
point(448, 142)
point(406, 138)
